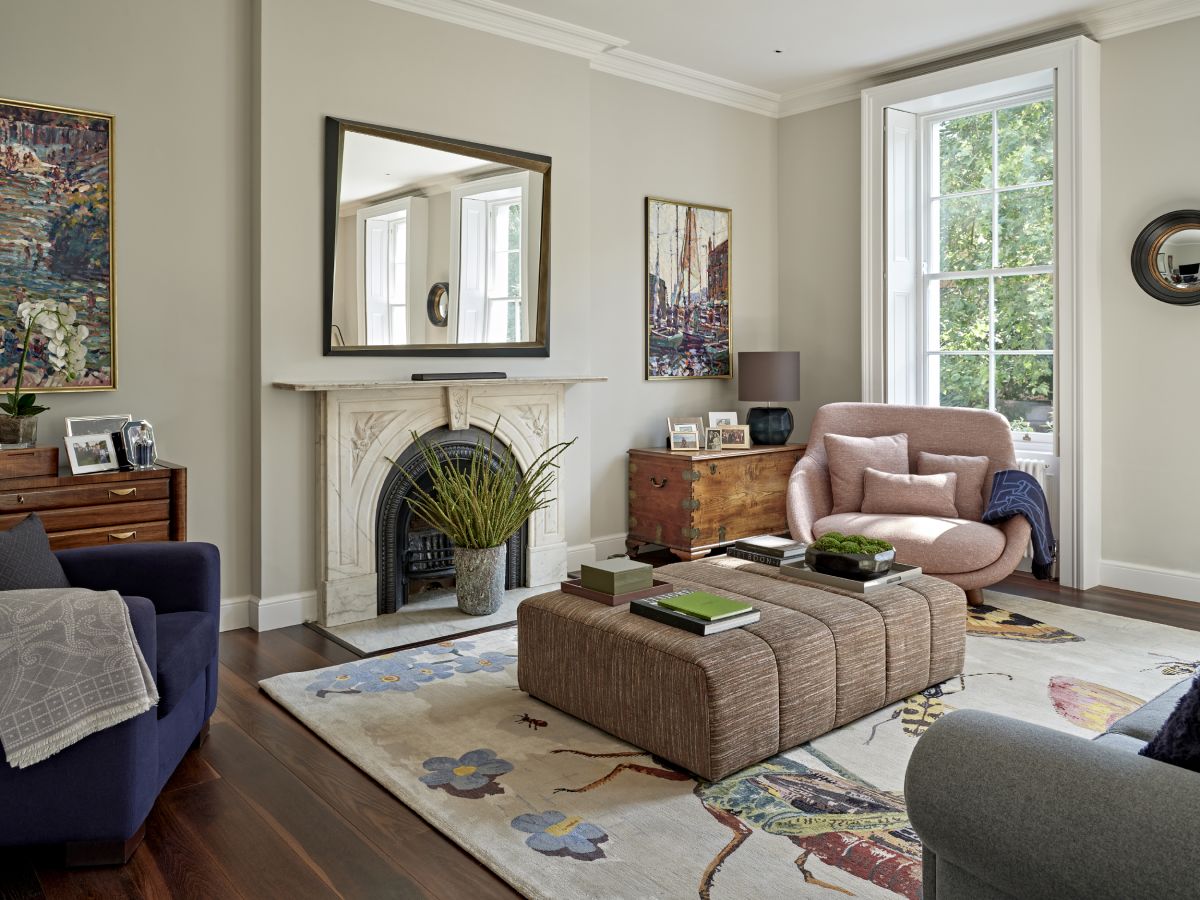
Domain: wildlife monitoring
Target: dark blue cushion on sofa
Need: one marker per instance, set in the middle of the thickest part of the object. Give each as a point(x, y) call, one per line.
point(1178, 741)
point(186, 645)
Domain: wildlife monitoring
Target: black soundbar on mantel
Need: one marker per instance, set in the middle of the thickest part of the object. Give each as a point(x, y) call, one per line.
point(456, 376)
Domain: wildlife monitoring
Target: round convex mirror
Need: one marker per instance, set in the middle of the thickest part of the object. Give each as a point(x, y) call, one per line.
point(437, 304)
point(1166, 258)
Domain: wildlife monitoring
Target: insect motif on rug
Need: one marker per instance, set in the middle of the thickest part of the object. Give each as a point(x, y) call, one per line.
point(991, 621)
point(1174, 667)
point(918, 712)
point(846, 825)
point(1090, 705)
point(531, 722)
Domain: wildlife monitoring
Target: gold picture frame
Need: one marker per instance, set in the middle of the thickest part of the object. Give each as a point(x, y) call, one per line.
point(735, 437)
point(688, 281)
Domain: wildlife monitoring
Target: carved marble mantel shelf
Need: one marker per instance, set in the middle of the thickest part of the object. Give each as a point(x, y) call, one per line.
point(363, 423)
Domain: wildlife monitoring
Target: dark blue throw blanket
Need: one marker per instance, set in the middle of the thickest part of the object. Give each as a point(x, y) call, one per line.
point(1015, 493)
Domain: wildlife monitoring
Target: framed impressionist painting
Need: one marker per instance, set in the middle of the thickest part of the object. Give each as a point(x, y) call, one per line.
point(56, 246)
point(688, 328)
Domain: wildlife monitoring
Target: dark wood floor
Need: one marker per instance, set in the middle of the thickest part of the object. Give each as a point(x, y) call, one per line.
point(267, 809)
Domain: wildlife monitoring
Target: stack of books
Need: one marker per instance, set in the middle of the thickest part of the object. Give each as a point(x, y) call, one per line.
point(696, 611)
point(615, 582)
point(769, 550)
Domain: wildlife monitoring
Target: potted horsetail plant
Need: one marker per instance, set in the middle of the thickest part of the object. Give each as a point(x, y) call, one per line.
point(479, 504)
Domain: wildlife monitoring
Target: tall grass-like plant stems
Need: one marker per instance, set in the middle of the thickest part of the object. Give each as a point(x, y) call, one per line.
point(475, 505)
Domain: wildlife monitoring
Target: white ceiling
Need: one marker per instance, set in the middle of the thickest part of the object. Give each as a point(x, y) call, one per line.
point(724, 50)
point(373, 166)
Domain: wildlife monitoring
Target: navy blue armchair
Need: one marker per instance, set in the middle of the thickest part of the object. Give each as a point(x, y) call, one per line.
point(93, 798)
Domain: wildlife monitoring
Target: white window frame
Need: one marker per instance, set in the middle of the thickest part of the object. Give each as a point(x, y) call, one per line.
point(416, 216)
point(1075, 63)
point(1027, 442)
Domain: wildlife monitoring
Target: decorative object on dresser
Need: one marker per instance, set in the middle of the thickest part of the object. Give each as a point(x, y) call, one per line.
point(688, 325)
point(122, 507)
point(57, 193)
point(735, 437)
point(712, 439)
point(137, 444)
point(97, 424)
point(688, 441)
point(694, 502)
point(89, 453)
point(717, 419)
point(479, 506)
point(772, 376)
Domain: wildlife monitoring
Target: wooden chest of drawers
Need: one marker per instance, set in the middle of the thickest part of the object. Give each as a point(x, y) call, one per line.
point(693, 502)
point(102, 508)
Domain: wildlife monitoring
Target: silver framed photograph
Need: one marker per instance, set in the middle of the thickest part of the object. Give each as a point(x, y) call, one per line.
point(96, 424)
point(718, 419)
point(693, 424)
point(713, 440)
point(91, 453)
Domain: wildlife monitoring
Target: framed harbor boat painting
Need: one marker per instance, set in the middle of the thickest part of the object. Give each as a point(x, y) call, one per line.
point(56, 248)
point(688, 326)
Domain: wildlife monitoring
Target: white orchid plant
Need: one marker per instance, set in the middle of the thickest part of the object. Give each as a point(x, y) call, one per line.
point(65, 350)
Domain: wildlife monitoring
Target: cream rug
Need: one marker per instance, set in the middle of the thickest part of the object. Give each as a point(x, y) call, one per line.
point(562, 810)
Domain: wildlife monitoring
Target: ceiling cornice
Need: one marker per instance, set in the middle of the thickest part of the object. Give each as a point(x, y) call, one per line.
point(606, 52)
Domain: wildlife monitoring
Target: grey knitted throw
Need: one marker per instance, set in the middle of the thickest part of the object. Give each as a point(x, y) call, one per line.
point(69, 666)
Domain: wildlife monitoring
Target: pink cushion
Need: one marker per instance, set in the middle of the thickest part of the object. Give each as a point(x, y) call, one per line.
point(849, 458)
point(939, 545)
point(914, 495)
point(972, 473)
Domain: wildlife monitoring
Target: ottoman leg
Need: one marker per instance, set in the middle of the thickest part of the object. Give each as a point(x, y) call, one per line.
point(975, 597)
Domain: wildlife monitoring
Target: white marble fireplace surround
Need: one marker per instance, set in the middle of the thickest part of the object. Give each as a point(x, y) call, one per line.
point(362, 423)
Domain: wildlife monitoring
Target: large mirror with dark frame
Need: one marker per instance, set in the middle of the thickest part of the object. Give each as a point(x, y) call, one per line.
point(1166, 258)
point(434, 246)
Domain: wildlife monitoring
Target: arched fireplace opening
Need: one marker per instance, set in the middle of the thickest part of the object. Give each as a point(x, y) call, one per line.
point(413, 551)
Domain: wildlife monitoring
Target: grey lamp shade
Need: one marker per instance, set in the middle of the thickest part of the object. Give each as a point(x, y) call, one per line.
point(771, 376)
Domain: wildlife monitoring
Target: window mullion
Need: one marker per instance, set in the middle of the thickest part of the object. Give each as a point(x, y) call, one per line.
point(995, 260)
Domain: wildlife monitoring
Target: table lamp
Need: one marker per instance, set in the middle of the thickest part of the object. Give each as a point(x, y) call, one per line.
point(772, 376)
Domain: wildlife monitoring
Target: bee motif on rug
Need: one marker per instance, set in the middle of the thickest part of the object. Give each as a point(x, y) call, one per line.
point(991, 621)
point(846, 825)
point(1174, 667)
point(918, 712)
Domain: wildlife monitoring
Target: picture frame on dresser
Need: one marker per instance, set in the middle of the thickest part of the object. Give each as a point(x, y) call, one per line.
point(88, 453)
point(96, 424)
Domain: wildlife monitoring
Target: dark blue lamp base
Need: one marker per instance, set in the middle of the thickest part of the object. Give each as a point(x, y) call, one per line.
point(770, 424)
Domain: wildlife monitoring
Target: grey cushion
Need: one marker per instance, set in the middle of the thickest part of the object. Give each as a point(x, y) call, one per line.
point(1144, 723)
point(1120, 742)
point(26, 560)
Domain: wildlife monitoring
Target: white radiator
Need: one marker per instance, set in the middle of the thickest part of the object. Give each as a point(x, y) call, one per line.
point(1037, 468)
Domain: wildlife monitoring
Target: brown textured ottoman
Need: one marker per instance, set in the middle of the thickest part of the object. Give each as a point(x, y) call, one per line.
point(817, 659)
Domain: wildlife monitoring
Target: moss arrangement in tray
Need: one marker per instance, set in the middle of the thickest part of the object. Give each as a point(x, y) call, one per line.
point(836, 542)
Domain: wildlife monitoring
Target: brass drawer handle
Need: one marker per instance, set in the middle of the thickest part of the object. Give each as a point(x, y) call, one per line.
point(20, 498)
point(122, 492)
point(121, 535)
point(658, 483)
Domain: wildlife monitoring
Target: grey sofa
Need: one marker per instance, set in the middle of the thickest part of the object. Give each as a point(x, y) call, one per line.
point(1007, 809)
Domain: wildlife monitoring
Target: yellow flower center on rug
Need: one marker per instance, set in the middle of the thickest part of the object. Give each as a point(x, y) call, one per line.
point(464, 770)
point(564, 827)
point(485, 662)
point(389, 677)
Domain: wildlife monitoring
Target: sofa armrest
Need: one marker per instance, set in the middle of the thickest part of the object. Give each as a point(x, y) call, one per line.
point(174, 576)
point(809, 497)
point(1036, 813)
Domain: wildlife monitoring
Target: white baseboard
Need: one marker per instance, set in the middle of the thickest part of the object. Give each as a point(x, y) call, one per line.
point(1147, 580)
point(235, 613)
point(610, 545)
point(268, 613)
point(580, 554)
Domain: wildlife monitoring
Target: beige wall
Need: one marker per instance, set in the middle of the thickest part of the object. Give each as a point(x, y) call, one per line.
point(819, 239)
point(646, 141)
point(1149, 167)
point(175, 74)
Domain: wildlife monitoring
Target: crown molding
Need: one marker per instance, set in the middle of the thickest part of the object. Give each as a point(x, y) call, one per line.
point(511, 22)
point(606, 53)
point(682, 80)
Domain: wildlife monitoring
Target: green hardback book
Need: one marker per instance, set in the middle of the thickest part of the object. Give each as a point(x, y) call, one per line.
point(616, 576)
point(705, 606)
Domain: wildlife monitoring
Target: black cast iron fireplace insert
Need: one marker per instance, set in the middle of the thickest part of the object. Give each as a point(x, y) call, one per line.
point(411, 549)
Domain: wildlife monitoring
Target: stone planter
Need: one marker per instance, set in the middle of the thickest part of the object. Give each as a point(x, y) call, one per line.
point(849, 565)
point(18, 432)
point(479, 579)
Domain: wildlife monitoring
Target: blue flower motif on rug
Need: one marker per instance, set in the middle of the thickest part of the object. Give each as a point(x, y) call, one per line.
point(472, 775)
point(492, 661)
point(454, 646)
point(391, 672)
point(551, 833)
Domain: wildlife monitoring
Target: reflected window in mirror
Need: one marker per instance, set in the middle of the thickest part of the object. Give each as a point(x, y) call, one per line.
point(410, 215)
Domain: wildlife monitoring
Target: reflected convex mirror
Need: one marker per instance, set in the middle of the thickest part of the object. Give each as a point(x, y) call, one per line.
point(433, 246)
point(1166, 258)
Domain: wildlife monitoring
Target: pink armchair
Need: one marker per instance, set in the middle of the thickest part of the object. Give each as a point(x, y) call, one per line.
point(965, 552)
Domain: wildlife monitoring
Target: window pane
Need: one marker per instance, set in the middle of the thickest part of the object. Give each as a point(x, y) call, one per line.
point(1025, 391)
point(1026, 143)
point(1027, 227)
point(962, 317)
point(963, 381)
point(514, 275)
point(965, 154)
point(514, 226)
point(1025, 312)
point(965, 233)
point(399, 323)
